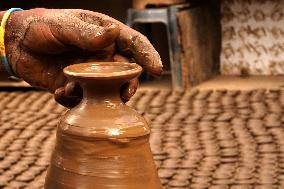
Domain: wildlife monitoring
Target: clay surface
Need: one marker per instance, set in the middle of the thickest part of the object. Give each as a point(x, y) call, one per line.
point(102, 143)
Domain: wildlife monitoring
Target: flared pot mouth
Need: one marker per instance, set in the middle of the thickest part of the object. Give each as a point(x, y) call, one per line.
point(103, 70)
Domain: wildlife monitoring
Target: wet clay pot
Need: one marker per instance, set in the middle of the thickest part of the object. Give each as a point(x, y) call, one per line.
point(102, 143)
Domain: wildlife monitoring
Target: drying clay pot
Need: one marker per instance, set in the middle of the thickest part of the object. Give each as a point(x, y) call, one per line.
point(102, 143)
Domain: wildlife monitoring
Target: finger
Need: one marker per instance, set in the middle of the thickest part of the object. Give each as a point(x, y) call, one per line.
point(69, 31)
point(129, 42)
point(69, 96)
point(120, 58)
point(86, 35)
point(105, 57)
point(45, 41)
point(74, 90)
point(69, 88)
point(105, 54)
point(93, 17)
point(129, 89)
point(64, 100)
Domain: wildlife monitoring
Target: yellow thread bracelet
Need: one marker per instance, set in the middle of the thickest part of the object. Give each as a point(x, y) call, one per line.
point(4, 58)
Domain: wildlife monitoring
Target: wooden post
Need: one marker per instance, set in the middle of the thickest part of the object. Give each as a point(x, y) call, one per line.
point(200, 39)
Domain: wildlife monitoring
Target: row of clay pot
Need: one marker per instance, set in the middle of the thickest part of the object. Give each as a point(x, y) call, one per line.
point(200, 143)
point(199, 139)
point(26, 142)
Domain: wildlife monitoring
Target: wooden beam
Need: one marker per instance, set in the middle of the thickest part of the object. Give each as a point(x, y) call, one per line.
point(200, 38)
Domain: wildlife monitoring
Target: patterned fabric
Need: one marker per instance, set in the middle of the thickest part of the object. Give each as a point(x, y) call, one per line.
point(253, 37)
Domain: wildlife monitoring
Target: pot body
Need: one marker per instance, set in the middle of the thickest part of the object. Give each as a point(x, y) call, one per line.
point(102, 144)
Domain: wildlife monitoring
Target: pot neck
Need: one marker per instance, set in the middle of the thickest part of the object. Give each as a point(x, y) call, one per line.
point(98, 92)
point(101, 81)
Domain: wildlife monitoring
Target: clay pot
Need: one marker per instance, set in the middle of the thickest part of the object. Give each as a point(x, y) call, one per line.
point(102, 143)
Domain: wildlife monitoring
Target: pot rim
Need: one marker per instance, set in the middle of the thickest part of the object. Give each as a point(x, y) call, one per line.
point(95, 70)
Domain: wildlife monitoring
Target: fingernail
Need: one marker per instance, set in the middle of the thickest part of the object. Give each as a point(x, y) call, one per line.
point(69, 88)
point(111, 27)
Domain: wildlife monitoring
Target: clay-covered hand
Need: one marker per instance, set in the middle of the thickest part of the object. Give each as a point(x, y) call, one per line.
point(41, 42)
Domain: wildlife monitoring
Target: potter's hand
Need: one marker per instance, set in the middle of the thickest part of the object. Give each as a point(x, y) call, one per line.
point(41, 42)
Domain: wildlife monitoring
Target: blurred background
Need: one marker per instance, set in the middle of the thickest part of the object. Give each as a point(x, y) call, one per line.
point(216, 114)
point(207, 38)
